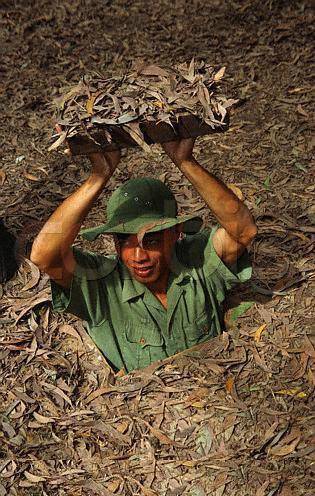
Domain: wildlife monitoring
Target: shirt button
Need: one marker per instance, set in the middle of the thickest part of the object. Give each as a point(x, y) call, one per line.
point(142, 341)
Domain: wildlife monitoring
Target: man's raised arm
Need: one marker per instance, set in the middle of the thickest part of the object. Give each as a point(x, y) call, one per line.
point(52, 248)
point(238, 227)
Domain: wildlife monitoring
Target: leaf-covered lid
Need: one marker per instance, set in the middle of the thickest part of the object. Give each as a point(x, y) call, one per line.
point(148, 93)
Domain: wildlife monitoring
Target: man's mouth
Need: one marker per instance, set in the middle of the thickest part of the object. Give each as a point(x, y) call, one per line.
point(143, 271)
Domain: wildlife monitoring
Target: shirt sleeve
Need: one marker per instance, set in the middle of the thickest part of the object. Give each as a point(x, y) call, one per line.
point(239, 272)
point(199, 253)
point(85, 297)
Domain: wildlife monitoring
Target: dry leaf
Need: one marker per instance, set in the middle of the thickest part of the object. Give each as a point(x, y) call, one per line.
point(147, 228)
point(204, 439)
point(31, 177)
point(58, 142)
point(163, 438)
point(144, 490)
point(71, 331)
point(34, 478)
point(262, 490)
point(219, 75)
point(153, 70)
point(285, 450)
point(99, 392)
point(114, 485)
point(56, 390)
point(260, 360)
point(42, 419)
point(188, 463)
point(236, 190)
point(32, 302)
point(258, 332)
point(7, 468)
point(134, 130)
point(35, 276)
point(2, 177)
point(200, 393)
point(292, 392)
point(123, 427)
point(90, 104)
point(229, 384)
point(302, 111)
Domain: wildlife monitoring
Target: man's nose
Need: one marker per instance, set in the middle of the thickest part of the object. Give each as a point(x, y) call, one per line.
point(140, 255)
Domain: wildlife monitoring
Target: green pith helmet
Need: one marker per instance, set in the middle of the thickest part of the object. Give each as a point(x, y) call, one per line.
point(142, 203)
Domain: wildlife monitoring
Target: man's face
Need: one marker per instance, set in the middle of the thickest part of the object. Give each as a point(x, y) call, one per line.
point(150, 262)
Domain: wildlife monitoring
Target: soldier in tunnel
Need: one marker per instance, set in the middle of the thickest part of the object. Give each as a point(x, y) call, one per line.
point(162, 291)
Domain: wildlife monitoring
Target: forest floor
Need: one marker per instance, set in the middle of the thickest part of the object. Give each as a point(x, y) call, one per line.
point(236, 420)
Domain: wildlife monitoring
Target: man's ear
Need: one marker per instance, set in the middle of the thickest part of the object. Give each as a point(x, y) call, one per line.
point(179, 230)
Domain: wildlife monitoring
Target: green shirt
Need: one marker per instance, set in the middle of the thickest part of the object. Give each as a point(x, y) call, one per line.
point(129, 324)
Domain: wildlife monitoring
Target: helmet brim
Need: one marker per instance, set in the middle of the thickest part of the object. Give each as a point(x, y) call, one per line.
point(191, 225)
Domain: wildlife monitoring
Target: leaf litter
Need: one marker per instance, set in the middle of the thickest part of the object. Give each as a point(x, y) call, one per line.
point(148, 94)
point(236, 417)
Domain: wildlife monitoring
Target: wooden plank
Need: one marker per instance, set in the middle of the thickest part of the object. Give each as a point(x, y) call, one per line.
point(188, 126)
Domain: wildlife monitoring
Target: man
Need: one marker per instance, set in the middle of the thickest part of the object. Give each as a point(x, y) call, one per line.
point(162, 292)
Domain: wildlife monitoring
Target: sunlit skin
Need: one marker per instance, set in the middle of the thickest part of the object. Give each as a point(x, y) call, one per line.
point(149, 263)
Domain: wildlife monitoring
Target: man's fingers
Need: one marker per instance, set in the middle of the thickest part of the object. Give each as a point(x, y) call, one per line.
point(59, 130)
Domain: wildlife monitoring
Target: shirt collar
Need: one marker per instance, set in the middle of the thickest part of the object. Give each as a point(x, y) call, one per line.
point(181, 272)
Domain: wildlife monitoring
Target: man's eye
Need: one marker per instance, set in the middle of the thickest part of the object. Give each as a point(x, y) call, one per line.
point(125, 242)
point(151, 242)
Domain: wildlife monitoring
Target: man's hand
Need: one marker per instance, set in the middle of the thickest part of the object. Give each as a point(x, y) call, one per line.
point(104, 163)
point(180, 151)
